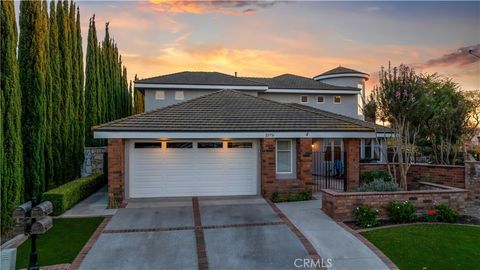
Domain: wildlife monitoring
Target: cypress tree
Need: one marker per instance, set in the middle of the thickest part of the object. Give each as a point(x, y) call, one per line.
point(57, 101)
point(11, 156)
point(49, 183)
point(74, 144)
point(66, 87)
point(32, 62)
point(81, 94)
point(91, 83)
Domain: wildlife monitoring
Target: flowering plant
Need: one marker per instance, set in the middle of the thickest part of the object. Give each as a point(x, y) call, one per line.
point(366, 216)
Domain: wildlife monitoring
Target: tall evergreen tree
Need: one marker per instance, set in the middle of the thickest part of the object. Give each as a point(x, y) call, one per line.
point(32, 62)
point(11, 156)
point(66, 86)
point(74, 144)
point(81, 95)
point(57, 100)
point(49, 182)
point(91, 83)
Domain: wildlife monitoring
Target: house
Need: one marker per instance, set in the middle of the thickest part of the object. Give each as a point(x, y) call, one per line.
point(212, 134)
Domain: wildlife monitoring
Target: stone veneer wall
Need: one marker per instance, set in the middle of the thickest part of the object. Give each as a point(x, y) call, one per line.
point(340, 205)
point(93, 162)
point(472, 181)
point(448, 175)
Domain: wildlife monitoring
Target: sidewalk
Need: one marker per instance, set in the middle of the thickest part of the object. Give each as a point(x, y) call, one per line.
point(95, 205)
point(329, 239)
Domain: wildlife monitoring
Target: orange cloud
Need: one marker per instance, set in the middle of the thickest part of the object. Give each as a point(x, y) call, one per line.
point(231, 7)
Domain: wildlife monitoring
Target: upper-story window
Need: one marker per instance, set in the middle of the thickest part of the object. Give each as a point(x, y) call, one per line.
point(179, 95)
point(159, 95)
point(337, 99)
point(320, 99)
point(304, 99)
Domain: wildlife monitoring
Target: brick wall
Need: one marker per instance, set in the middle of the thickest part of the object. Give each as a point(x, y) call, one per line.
point(352, 163)
point(116, 169)
point(340, 205)
point(269, 183)
point(447, 175)
point(472, 181)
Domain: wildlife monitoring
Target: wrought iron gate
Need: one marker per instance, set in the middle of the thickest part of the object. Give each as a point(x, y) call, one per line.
point(328, 170)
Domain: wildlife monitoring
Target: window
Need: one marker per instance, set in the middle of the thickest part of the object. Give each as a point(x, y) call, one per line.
point(210, 145)
point(333, 149)
point(179, 95)
point(148, 145)
point(304, 99)
point(239, 145)
point(337, 99)
point(284, 156)
point(360, 105)
point(320, 99)
point(159, 95)
point(372, 150)
point(179, 145)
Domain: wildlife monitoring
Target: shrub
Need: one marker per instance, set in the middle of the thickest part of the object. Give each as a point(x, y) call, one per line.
point(67, 195)
point(292, 197)
point(401, 212)
point(370, 176)
point(378, 185)
point(446, 214)
point(366, 216)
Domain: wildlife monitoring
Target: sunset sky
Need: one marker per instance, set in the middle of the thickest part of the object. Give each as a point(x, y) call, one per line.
point(267, 38)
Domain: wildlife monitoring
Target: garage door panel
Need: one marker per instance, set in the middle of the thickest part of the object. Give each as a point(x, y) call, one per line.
point(170, 172)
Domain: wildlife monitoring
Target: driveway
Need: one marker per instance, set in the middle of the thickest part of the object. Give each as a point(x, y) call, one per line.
point(204, 233)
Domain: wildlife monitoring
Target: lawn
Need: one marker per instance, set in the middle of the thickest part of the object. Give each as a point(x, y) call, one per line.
point(61, 243)
point(429, 246)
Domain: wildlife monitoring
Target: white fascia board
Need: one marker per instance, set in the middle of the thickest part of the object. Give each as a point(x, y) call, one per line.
point(359, 75)
point(200, 86)
point(306, 91)
point(228, 135)
point(381, 134)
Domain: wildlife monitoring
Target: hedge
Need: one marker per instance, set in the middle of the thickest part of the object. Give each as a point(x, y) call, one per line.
point(66, 196)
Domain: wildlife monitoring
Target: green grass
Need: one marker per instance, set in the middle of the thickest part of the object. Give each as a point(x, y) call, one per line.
point(61, 243)
point(429, 246)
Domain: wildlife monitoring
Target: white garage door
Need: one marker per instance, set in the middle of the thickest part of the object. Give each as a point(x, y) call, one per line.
point(192, 168)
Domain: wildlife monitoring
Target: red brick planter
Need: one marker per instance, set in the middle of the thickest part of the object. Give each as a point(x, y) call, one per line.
point(340, 205)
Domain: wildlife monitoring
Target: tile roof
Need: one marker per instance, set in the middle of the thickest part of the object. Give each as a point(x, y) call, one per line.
point(340, 70)
point(378, 128)
point(228, 110)
point(291, 81)
point(200, 78)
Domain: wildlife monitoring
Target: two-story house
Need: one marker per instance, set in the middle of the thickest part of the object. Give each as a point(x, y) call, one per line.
point(210, 133)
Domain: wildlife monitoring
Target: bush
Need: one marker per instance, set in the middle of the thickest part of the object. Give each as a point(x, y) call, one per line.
point(292, 197)
point(67, 195)
point(401, 212)
point(379, 185)
point(446, 214)
point(366, 216)
point(370, 176)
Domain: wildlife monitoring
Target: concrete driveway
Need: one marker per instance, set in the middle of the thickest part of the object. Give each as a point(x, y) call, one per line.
point(204, 233)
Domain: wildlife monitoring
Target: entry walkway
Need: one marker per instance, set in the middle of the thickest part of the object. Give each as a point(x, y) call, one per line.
point(95, 205)
point(329, 239)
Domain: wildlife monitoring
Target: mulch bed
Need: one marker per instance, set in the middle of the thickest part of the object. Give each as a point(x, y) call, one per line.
point(464, 219)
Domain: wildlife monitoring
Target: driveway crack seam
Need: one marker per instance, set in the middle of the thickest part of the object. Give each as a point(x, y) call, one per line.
point(199, 236)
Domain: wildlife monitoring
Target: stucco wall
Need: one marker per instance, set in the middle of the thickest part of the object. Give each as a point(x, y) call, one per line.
point(347, 107)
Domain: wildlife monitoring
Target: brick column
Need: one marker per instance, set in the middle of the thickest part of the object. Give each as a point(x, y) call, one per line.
point(116, 169)
point(268, 166)
point(472, 181)
point(304, 162)
point(352, 163)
